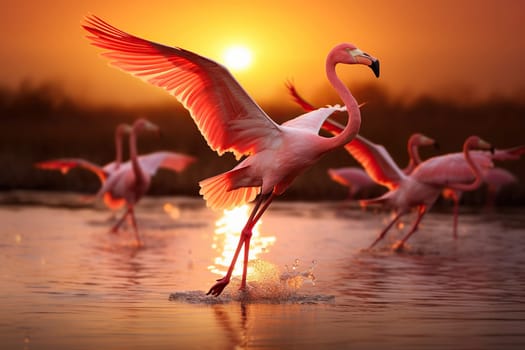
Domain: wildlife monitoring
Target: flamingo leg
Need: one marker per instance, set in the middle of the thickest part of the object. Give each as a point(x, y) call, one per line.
point(115, 227)
point(135, 228)
point(421, 212)
point(456, 215)
point(385, 230)
point(244, 239)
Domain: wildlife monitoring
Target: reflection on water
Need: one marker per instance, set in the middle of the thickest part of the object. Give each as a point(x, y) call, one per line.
point(68, 283)
point(227, 233)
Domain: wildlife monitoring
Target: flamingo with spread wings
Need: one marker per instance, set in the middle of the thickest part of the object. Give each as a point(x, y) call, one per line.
point(151, 162)
point(102, 172)
point(421, 189)
point(231, 121)
point(132, 179)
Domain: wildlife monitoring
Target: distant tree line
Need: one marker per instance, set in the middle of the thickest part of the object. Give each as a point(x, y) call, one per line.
point(40, 122)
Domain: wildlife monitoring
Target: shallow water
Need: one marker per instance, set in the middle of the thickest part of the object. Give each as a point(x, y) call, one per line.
point(68, 284)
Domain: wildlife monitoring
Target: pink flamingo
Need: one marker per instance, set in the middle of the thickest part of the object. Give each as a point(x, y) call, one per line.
point(151, 161)
point(230, 120)
point(355, 178)
point(458, 171)
point(132, 179)
point(513, 153)
point(381, 167)
point(66, 164)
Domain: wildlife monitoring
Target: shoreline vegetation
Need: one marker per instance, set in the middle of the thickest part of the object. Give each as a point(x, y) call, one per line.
point(40, 122)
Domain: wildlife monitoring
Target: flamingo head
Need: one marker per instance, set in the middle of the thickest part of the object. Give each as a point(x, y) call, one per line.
point(143, 124)
point(478, 143)
point(123, 128)
point(350, 54)
point(423, 140)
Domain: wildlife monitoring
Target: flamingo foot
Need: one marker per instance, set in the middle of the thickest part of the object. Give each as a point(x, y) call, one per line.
point(399, 246)
point(218, 287)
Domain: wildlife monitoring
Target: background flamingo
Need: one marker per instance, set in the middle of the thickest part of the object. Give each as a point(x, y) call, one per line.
point(66, 164)
point(381, 167)
point(150, 162)
point(489, 175)
point(132, 179)
point(230, 120)
point(423, 186)
point(355, 178)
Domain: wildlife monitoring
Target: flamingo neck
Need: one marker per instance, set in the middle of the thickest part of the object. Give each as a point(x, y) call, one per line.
point(413, 156)
point(354, 115)
point(118, 146)
point(475, 170)
point(137, 170)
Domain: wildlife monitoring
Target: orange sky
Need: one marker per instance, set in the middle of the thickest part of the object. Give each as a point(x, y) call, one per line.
point(441, 47)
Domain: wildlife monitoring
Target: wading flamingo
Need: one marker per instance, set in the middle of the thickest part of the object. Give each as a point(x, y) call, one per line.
point(132, 179)
point(513, 153)
point(66, 164)
point(423, 186)
point(230, 120)
point(151, 162)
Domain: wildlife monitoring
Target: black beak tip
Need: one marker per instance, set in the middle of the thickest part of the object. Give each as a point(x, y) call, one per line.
point(437, 146)
point(375, 68)
point(492, 150)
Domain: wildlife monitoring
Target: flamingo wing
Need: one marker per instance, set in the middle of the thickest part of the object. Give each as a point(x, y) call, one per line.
point(66, 164)
point(298, 98)
point(513, 153)
point(351, 176)
point(313, 120)
point(227, 117)
point(150, 163)
point(374, 158)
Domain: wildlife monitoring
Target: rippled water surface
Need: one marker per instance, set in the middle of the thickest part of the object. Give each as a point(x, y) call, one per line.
point(69, 284)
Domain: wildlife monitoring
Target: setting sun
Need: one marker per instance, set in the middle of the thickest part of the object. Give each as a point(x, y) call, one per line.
point(237, 57)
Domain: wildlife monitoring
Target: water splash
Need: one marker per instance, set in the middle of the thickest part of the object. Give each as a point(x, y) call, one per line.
point(268, 285)
point(295, 278)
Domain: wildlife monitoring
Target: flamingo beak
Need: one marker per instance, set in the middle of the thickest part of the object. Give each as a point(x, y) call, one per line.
point(485, 145)
point(375, 67)
point(437, 146)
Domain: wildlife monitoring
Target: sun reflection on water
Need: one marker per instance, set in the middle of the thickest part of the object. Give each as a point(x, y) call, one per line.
point(227, 232)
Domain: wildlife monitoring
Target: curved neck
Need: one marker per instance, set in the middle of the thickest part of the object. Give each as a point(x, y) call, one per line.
point(475, 170)
point(139, 175)
point(118, 146)
point(413, 155)
point(354, 115)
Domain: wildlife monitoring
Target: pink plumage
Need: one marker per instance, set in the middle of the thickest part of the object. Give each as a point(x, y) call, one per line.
point(230, 120)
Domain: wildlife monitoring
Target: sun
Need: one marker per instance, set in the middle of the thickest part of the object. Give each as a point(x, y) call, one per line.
point(237, 57)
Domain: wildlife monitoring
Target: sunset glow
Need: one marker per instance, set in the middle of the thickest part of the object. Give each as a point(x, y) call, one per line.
point(286, 40)
point(237, 58)
point(227, 232)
